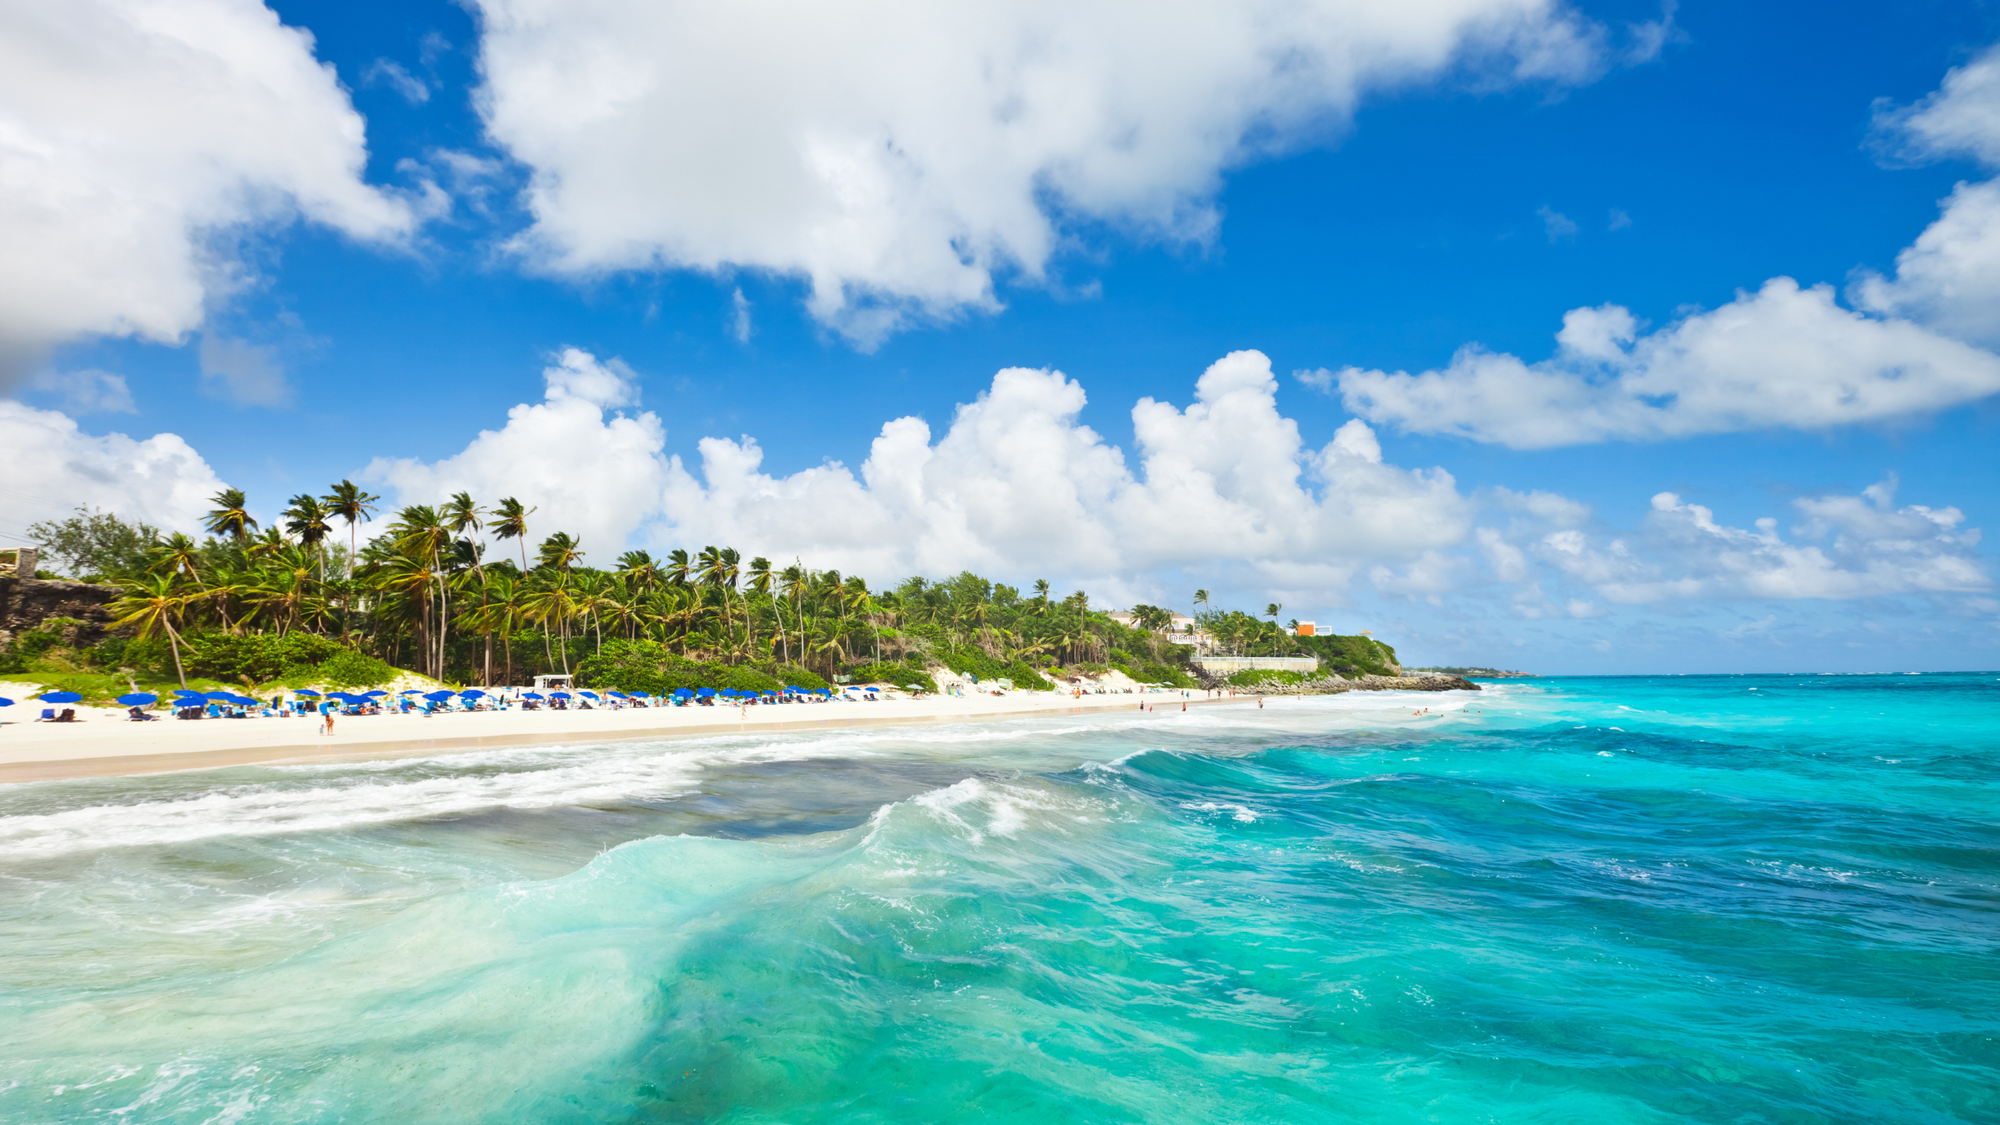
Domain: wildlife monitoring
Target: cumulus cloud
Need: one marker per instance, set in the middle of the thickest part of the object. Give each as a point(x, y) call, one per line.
point(131, 133)
point(1842, 548)
point(595, 475)
point(1017, 485)
point(1784, 355)
point(1950, 277)
point(52, 467)
point(896, 154)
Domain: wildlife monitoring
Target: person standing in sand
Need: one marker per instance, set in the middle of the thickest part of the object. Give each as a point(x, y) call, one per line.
point(326, 720)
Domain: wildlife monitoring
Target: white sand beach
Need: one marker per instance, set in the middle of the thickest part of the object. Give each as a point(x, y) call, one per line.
point(106, 742)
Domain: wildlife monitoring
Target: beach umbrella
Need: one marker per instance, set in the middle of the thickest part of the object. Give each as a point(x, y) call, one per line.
point(59, 697)
point(437, 696)
point(410, 691)
point(530, 695)
point(588, 694)
point(139, 699)
point(6, 702)
point(374, 694)
point(472, 693)
point(559, 695)
point(242, 701)
point(705, 691)
point(307, 692)
point(219, 695)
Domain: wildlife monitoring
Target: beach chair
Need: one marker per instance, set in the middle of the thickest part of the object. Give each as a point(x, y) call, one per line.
point(48, 715)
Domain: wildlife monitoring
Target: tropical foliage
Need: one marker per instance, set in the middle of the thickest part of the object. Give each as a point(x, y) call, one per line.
point(423, 594)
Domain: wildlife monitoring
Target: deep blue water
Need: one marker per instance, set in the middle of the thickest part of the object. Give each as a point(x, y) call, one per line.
point(1708, 899)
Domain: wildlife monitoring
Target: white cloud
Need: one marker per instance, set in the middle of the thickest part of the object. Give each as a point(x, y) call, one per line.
point(739, 317)
point(1950, 277)
point(1016, 486)
point(131, 132)
point(1844, 547)
point(1782, 356)
point(241, 372)
point(594, 476)
point(390, 73)
point(88, 391)
point(1960, 118)
point(897, 154)
point(1555, 224)
point(1618, 219)
point(52, 467)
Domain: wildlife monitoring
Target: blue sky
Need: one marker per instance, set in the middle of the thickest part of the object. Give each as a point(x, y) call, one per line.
point(1363, 222)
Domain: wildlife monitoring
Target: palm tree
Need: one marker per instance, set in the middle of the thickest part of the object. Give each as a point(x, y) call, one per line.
point(178, 554)
point(1271, 611)
point(151, 603)
point(353, 505)
point(420, 533)
point(679, 569)
point(760, 582)
point(312, 521)
point(511, 522)
point(229, 515)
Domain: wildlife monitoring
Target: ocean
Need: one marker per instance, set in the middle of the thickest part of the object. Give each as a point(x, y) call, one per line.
point(1687, 899)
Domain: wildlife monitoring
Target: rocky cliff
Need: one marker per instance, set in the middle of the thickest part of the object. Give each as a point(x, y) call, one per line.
point(27, 602)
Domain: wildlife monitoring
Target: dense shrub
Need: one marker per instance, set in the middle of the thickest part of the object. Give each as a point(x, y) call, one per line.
point(261, 656)
point(1168, 674)
point(347, 669)
point(902, 675)
point(976, 662)
point(648, 666)
point(1251, 677)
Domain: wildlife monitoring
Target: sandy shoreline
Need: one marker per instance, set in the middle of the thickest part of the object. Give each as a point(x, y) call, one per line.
point(107, 744)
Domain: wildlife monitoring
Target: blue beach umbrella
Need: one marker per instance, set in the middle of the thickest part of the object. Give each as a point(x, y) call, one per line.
point(59, 697)
point(559, 695)
point(707, 691)
point(307, 692)
point(410, 691)
point(588, 694)
point(530, 695)
point(219, 695)
point(376, 694)
point(437, 696)
point(471, 693)
point(139, 699)
point(5, 702)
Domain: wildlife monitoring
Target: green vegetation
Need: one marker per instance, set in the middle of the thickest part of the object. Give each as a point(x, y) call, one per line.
point(1252, 677)
point(902, 675)
point(292, 603)
point(650, 666)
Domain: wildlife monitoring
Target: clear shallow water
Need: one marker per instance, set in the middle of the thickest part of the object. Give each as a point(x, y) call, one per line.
point(1729, 899)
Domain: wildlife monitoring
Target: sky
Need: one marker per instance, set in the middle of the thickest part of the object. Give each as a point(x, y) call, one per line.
point(1576, 338)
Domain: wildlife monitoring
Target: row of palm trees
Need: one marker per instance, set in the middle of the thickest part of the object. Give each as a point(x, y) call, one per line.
point(423, 594)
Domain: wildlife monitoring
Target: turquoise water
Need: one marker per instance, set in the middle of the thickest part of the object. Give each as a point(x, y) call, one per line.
point(1711, 899)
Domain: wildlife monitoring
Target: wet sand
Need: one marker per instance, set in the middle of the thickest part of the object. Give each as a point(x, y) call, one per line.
point(107, 743)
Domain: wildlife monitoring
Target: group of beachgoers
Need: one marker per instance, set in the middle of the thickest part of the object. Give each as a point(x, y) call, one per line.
point(188, 703)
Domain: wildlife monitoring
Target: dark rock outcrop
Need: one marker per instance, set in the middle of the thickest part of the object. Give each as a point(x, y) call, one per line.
point(27, 602)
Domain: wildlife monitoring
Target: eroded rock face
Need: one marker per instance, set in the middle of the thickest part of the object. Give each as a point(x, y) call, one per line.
point(27, 602)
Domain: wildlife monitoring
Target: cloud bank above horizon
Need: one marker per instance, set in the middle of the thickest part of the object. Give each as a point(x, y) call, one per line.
point(1783, 356)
